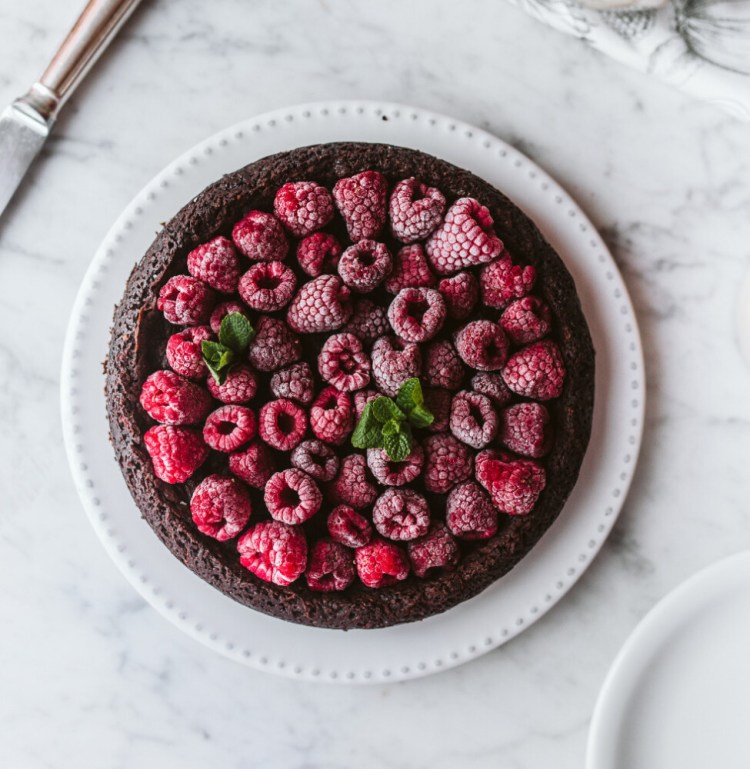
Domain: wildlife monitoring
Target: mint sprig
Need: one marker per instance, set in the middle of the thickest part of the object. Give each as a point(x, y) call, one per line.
point(235, 334)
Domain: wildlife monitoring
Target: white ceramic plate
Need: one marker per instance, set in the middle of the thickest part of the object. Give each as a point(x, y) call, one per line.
point(678, 694)
point(407, 651)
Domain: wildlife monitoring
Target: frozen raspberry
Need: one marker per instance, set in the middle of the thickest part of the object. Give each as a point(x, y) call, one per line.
point(352, 486)
point(369, 322)
point(447, 462)
point(515, 485)
point(461, 294)
point(282, 424)
point(469, 512)
point(322, 304)
point(393, 362)
point(536, 371)
point(361, 399)
point(493, 386)
point(220, 507)
point(410, 270)
point(274, 345)
point(415, 210)
point(177, 452)
point(391, 473)
point(482, 345)
point(330, 567)
point(268, 286)
point(473, 419)
point(185, 300)
point(347, 526)
point(319, 253)
point(173, 400)
point(223, 309)
point(260, 237)
point(239, 386)
point(526, 320)
point(361, 199)
point(525, 429)
point(317, 459)
point(343, 363)
point(438, 402)
point(216, 263)
point(292, 496)
point(274, 552)
point(417, 314)
point(401, 514)
point(464, 239)
point(381, 563)
point(184, 353)
point(442, 366)
point(437, 551)
point(254, 465)
point(365, 265)
point(227, 428)
point(483, 464)
point(295, 382)
point(503, 281)
point(303, 207)
point(331, 416)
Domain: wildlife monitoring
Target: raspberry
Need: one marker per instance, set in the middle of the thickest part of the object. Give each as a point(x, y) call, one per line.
point(365, 265)
point(260, 237)
point(536, 371)
point(274, 345)
point(464, 239)
point(184, 353)
point(239, 386)
point(401, 514)
point(361, 201)
point(438, 403)
point(173, 400)
point(347, 526)
point(515, 485)
point(410, 270)
point(502, 281)
point(525, 429)
point(493, 386)
point(294, 382)
point(343, 363)
point(482, 345)
point(381, 563)
point(331, 417)
point(473, 419)
point(351, 486)
point(483, 464)
point(526, 320)
point(391, 473)
point(273, 552)
point(331, 566)
point(227, 428)
point(322, 304)
point(176, 452)
point(461, 293)
point(442, 366)
point(435, 552)
point(393, 362)
point(361, 399)
point(220, 507)
point(282, 424)
point(469, 512)
point(216, 263)
point(316, 459)
point(417, 314)
point(447, 462)
point(415, 210)
point(222, 310)
point(319, 253)
point(267, 286)
point(292, 496)
point(369, 321)
point(254, 465)
point(185, 300)
point(303, 207)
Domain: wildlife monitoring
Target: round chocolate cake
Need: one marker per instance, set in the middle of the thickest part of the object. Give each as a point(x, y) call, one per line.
point(350, 385)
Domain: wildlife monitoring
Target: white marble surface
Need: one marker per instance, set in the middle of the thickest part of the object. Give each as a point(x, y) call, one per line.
point(89, 675)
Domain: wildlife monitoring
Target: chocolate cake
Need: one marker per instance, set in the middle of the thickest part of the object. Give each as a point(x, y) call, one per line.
point(350, 385)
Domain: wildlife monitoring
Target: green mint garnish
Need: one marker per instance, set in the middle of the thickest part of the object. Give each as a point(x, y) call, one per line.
point(235, 335)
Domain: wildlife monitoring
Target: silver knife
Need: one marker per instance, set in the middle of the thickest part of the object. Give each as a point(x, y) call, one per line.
point(26, 123)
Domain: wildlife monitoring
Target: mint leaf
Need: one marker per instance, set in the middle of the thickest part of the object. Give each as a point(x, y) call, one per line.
point(384, 408)
point(218, 358)
point(410, 395)
point(236, 332)
point(419, 416)
point(368, 433)
point(398, 445)
point(391, 427)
